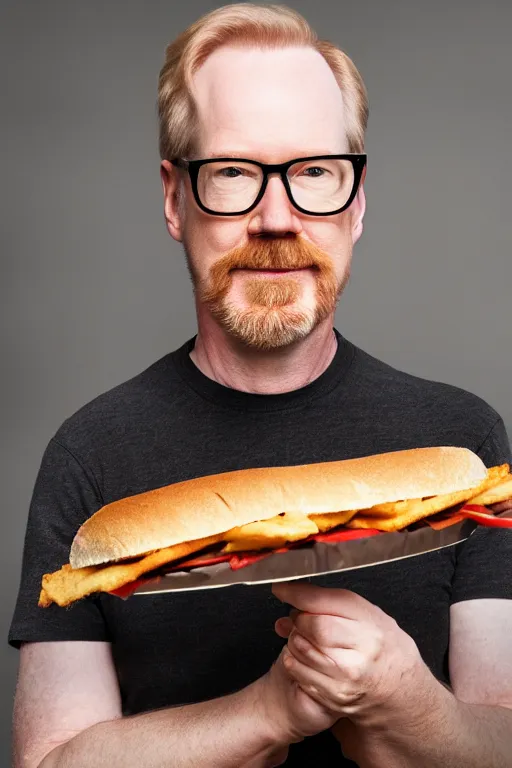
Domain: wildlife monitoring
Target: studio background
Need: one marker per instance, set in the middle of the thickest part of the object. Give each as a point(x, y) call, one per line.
point(94, 289)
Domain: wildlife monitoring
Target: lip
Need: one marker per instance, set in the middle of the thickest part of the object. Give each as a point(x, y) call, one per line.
point(274, 271)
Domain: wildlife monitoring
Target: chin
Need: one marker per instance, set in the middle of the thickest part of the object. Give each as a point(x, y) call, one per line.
point(267, 329)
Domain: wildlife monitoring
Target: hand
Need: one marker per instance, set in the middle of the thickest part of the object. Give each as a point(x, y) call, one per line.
point(290, 713)
point(271, 760)
point(348, 655)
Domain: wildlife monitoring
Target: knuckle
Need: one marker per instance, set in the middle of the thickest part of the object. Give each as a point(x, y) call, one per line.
point(339, 696)
point(375, 652)
point(356, 671)
point(302, 622)
point(322, 630)
point(376, 645)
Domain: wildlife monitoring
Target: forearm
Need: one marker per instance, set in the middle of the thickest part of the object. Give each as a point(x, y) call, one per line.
point(449, 734)
point(223, 733)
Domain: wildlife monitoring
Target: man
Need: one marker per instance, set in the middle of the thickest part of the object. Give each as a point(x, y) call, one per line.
point(405, 664)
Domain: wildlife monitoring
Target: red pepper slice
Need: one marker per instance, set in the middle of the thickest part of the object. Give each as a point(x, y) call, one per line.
point(482, 515)
point(237, 562)
point(346, 534)
point(128, 589)
point(197, 562)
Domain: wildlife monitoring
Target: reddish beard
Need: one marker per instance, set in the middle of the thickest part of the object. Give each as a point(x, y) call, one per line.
point(271, 320)
point(272, 293)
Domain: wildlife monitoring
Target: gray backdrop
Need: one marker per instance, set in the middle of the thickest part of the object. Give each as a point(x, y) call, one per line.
point(93, 287)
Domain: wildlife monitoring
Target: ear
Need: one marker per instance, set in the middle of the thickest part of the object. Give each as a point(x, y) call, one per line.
point(173, 208)
point(359, 208)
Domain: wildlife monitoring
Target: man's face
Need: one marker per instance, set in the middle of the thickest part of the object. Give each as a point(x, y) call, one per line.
point(269, 106)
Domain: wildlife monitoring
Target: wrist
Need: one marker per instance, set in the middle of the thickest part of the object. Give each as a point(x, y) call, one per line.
point(257, 703)
point(414, 708)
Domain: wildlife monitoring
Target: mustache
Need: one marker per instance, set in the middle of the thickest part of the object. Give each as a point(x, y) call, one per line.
point(273, 253)
point(266, 253)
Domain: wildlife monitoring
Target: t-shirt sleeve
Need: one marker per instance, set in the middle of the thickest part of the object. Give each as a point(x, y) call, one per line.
point(484, 561)
point(65, 495)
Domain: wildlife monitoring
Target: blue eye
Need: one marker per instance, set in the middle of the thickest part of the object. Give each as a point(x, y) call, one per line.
point(314, 171)
point(231, 172)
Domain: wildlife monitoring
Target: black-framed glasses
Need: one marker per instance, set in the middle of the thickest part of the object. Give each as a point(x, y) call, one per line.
point(321, 185)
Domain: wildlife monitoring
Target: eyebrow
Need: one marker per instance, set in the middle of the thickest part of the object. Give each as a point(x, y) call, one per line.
point(241, 155)
point(230, 155)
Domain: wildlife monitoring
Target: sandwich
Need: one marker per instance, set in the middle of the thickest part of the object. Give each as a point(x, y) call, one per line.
point(246, 514)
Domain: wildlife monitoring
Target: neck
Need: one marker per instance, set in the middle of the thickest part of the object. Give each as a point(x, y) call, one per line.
point(234, 365)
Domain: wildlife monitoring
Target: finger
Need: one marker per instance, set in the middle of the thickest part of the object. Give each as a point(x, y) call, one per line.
point(317, 685)
point(310, 655)
point(343, 665)
point(283, 627)
point(333, 631)
point(313, 599)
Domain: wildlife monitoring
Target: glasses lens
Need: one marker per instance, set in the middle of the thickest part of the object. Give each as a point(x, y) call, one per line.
point(321, 186)
point(228, 187)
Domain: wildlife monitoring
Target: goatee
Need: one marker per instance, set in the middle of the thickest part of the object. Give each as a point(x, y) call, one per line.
point(272, 319)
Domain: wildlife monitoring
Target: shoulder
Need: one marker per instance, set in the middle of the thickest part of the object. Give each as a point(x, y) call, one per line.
point(436, 407)
point(422, 391)
point(116, 415)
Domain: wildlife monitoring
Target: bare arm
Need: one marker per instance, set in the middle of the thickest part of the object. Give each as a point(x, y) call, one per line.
point(68, 715)
point(469, 727)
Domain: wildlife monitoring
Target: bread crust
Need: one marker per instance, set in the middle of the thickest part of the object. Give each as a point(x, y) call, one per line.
point(206, 506)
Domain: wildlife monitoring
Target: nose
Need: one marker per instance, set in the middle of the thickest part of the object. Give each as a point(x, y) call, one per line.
point(275, 214)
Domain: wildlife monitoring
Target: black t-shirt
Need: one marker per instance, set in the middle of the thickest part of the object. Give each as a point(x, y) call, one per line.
point(171, 423)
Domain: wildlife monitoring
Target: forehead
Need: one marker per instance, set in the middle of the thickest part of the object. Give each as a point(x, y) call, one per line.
point(268, 104)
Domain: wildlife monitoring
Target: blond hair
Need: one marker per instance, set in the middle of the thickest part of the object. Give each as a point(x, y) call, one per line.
point(244, 25)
